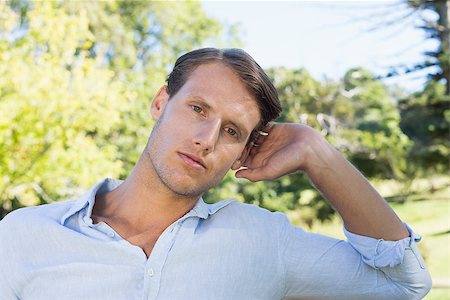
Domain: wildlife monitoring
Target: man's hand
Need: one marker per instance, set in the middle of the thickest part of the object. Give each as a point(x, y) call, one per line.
point(286, 149)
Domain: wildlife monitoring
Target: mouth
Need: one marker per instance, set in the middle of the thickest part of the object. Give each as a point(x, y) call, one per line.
point(192, 161)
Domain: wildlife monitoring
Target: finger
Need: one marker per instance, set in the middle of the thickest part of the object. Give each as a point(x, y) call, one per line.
point(248, 174)
point(253, 175)
point(268, 127)
point(252, 148)
point(260, 137)
point(262, 134)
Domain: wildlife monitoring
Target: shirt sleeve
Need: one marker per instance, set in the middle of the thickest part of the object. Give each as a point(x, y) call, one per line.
point(320, 267)
point(379, 253)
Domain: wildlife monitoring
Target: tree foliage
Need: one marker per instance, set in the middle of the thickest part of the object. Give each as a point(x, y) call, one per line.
point(425, 115)
point(433, 18)
point(438, 30)
point(425, 119)
point(76, 80)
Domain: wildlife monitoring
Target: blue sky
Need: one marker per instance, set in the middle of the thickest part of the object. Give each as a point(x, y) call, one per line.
point(327, 38)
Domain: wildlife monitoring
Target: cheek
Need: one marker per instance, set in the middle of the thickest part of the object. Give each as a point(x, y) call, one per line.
point(163, 135)
point(230, 154)
point(170, 126)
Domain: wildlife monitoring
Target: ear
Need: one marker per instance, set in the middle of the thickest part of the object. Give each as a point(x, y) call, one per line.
point(159, 102)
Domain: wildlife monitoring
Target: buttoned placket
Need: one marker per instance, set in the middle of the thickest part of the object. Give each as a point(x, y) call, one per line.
point(155, 263)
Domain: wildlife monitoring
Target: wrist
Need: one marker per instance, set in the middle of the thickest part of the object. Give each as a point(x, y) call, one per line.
point(320, 155)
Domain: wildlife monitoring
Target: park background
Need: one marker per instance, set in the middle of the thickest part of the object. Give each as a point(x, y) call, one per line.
point(77, 77)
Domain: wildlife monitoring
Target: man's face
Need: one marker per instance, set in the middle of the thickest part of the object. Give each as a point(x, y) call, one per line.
point(202, 130)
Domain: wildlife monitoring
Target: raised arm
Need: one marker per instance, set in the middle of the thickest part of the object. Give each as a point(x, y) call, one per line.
point(318, 267)
point(295, 147)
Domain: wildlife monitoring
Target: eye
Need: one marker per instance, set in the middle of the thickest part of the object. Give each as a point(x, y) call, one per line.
point(197, 109)
point(231, 131)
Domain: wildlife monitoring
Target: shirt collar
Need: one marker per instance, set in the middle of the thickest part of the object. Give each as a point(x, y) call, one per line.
point(88, 199)
point(201, 209)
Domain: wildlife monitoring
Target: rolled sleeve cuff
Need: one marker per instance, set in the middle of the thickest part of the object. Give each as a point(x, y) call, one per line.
point(379, 253)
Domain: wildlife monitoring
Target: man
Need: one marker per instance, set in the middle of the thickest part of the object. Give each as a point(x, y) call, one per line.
point(153, 237)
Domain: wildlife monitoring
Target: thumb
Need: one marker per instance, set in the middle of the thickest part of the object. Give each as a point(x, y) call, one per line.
point(250, 174)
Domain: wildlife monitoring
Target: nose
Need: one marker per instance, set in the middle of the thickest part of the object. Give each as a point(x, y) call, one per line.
point(206, 135)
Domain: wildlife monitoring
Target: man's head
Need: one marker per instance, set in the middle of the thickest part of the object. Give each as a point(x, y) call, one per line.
point(248, 70)
point(214, 102)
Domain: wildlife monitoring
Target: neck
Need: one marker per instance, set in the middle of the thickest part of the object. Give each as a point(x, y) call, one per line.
point(143, 201)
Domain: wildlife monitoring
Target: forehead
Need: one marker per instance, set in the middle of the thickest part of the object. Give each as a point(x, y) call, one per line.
point(223, 90)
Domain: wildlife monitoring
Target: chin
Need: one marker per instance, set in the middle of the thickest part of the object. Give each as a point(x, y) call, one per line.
point(183, 183)
point(187, 191)
point(185, 186)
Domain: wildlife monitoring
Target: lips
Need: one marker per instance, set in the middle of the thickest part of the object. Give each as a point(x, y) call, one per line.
point(192, 160)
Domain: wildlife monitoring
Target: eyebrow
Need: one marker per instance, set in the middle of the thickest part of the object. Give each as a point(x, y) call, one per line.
point(238, 125)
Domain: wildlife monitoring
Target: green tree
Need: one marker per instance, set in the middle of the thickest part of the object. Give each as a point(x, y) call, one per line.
point(372, 137)
point(76, 80)
point(425, 114)
point(56, 107)
point(437, 29)
point(433, 18)
point(357, 115)
point(426, 119)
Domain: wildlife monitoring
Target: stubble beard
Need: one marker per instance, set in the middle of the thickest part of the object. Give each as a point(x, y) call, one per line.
point(164, 173)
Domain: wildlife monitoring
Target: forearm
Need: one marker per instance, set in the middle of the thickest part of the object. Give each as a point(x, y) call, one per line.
point(361, 207)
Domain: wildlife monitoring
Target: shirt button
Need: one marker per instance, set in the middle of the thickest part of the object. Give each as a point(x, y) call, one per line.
point(150, 272)
point(111, 234)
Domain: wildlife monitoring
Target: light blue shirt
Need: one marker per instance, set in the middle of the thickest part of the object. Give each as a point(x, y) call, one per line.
point(226, 250)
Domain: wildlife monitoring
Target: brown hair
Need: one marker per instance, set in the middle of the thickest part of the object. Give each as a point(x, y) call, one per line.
point(251, 74)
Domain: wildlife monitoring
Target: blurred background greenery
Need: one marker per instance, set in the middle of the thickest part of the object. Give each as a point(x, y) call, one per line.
point(76, 79)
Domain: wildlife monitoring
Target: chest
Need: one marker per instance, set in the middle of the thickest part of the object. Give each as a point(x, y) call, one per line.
point(146, 241)
point(183, 264)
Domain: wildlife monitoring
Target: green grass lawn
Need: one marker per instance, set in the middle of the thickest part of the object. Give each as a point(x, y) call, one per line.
point(428, 214)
